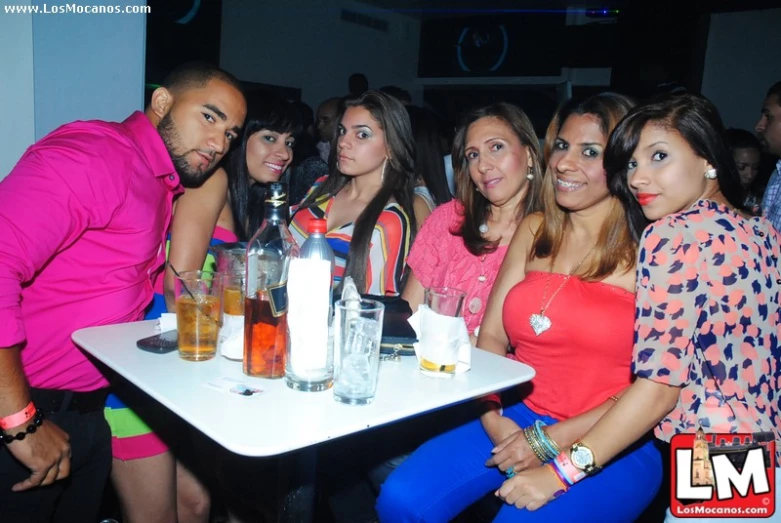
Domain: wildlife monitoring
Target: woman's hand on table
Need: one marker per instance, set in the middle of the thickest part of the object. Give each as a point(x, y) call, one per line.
point(531, 489)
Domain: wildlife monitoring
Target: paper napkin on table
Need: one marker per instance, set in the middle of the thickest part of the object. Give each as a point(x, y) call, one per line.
point(167, 322)
point(456, 327)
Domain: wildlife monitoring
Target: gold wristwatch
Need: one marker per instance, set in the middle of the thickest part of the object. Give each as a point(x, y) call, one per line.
point(583, 458)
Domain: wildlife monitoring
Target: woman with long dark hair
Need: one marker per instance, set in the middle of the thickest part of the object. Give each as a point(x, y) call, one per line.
point(261, 157)
point(706, 351)
point(367, 198)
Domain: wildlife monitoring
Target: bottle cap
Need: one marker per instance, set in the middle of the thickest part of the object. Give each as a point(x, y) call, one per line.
point(318, 225)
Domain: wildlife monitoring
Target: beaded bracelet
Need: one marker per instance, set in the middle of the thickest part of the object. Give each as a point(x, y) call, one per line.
point(31, 428)
point(535, 445)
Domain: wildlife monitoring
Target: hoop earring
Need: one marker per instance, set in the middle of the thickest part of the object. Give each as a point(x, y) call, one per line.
point(384, 166)
point(711, 174)
point(530, 174)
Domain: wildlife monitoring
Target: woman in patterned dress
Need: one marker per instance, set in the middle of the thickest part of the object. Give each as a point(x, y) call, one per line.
point(367, 199)
point(707, 305)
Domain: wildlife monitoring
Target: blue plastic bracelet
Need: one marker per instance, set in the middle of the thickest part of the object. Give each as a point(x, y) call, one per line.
point(544, 440)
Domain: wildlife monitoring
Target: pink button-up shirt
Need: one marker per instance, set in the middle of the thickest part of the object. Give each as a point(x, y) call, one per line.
point(83, 219)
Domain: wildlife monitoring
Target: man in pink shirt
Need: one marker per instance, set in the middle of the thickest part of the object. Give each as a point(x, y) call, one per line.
point(83, 219)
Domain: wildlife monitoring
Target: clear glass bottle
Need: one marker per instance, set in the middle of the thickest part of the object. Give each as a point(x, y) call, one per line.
point(269, 253)
point(309, 365)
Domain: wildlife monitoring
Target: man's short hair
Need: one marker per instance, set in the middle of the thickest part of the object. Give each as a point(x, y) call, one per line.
point(775, 89)
point(193, 75)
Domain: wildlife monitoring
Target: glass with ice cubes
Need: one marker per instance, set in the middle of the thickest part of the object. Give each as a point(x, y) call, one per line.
point(357, 336)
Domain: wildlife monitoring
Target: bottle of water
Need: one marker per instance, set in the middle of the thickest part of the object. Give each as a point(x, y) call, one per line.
point(309, 364)
point(316, 246)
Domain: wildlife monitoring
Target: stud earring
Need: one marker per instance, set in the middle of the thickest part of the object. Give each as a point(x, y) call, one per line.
point(530, 175)
point(710, 174)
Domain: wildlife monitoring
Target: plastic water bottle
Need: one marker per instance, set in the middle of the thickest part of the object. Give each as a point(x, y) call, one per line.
point(316, 246)
point(309, 364)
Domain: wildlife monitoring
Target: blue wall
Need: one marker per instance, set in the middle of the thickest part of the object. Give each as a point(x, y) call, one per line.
point(87, 66)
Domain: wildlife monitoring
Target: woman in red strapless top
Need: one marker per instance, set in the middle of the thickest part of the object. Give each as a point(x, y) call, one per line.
point(564, 304)
point(588, 347)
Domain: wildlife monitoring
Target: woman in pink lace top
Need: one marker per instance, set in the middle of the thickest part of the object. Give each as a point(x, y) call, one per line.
point(496, 159)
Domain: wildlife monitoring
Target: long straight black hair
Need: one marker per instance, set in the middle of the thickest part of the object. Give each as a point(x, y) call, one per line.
point(264, 112)
point(398, 182)
point(698, 122)
point(429, 153)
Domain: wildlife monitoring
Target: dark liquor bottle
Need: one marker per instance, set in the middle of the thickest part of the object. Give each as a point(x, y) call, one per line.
point(265, 305)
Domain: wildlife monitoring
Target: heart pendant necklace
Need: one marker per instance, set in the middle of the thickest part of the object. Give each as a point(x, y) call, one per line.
point(540, 322)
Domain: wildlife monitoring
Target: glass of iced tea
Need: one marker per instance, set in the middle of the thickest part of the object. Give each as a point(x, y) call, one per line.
point(198, 314)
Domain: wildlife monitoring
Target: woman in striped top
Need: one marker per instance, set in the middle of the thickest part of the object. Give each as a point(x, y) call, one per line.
point(367, 199)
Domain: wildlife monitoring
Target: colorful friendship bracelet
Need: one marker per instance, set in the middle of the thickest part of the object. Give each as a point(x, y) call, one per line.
point(569, 471)
point(564, 485)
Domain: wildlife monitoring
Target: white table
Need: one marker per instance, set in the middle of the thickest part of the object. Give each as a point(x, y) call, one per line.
point(281, 419)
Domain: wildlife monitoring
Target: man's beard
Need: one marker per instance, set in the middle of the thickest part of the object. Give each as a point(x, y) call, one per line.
point(189, 176)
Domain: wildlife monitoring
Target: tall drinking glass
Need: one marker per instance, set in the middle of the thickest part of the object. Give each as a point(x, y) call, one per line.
point(357, 336)
point(231, 339)
point(198, 314)
point(439, 340)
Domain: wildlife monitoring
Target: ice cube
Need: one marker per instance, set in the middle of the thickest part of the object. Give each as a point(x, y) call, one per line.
point(361, 336)
point(356, 373)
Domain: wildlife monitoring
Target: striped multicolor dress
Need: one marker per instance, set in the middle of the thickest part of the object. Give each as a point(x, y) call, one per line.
point(131, 436)
point(390, 244)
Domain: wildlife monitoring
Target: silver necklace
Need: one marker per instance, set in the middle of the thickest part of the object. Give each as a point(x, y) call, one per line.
point(539, 322)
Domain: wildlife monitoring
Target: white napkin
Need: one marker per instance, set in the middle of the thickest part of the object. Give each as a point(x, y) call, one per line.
point(349, 290)
point(351, 296)
point(456, 328)
point(230, 341)
point(167, 322)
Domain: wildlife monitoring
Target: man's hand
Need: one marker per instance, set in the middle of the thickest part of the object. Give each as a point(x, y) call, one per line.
point(47, 453)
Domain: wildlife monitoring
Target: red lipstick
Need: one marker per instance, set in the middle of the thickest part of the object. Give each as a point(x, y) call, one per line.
point(645, 198)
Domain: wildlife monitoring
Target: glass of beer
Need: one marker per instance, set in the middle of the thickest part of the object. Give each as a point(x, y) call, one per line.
point(439, 340)
point(198, 314)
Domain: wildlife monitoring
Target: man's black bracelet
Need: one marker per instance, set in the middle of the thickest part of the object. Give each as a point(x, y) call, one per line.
point(31, 428)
